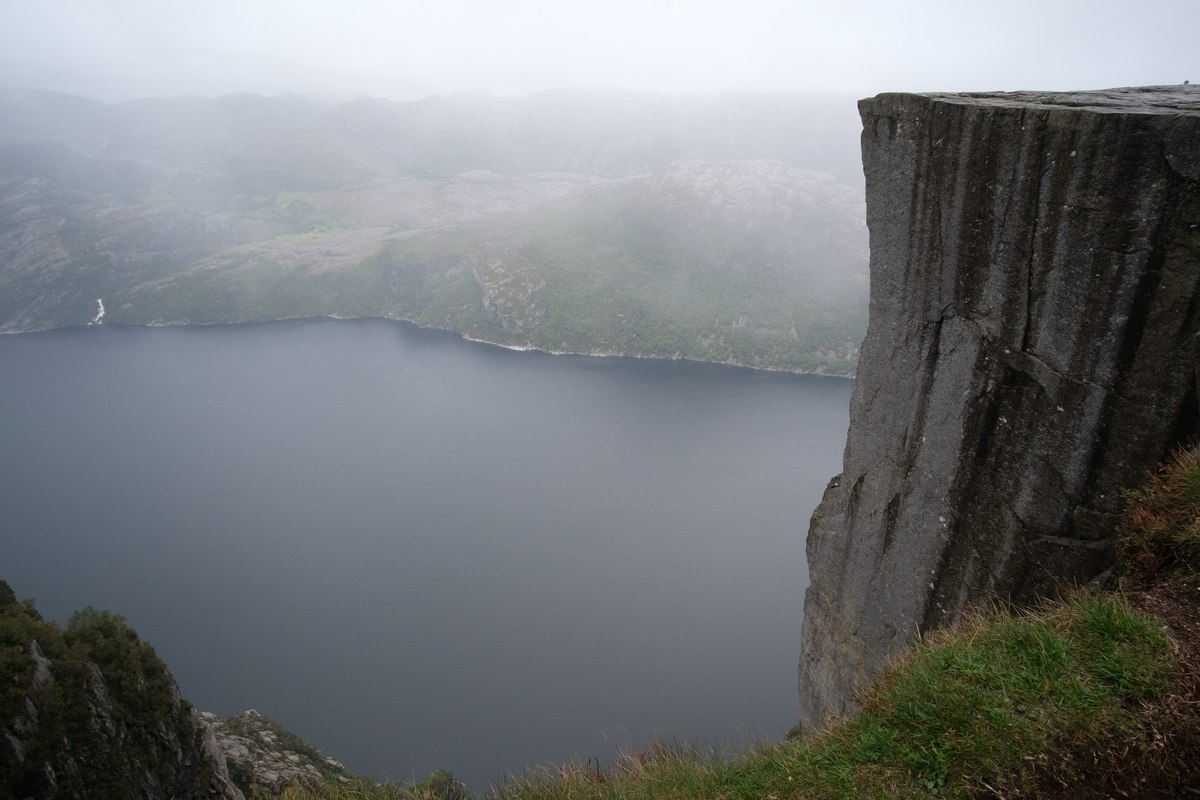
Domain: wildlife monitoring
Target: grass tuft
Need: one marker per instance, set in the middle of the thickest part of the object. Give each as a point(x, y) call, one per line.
point(1163, 534)
point(1086, 697)
point(994, 707)
point(978, 707)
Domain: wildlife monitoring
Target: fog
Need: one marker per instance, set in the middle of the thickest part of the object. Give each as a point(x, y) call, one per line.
point(123, 49)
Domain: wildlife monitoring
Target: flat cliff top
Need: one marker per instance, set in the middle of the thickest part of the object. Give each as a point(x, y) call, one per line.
point(1177, 99)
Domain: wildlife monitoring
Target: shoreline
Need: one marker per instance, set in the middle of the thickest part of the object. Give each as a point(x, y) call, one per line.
point(519, 348)
point(676, 357)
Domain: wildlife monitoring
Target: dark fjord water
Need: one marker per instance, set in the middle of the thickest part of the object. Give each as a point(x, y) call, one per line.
point(419, 552)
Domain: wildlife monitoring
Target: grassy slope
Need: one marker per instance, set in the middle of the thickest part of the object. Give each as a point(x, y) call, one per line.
point(109, 716)
point(1164, 529)
point(1088, 697)
point(993, 706)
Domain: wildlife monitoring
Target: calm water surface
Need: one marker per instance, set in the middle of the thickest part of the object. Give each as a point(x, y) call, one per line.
point(419, 552)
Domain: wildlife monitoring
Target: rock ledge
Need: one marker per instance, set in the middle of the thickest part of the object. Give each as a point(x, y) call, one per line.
point(1032, 351)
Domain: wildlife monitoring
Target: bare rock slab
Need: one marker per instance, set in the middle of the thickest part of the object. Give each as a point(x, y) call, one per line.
point(1032, 352)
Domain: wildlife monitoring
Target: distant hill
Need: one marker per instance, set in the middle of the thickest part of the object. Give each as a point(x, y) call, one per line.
point(580, 222)
point(749, 262)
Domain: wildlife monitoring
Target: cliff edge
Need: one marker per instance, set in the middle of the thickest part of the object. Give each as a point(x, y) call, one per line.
point(1032, 352)
point(92, 712)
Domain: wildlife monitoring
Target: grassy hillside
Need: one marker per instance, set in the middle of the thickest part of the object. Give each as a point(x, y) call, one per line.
point(1095, 696)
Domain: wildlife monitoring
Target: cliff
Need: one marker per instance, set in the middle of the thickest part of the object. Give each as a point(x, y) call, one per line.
point(92, 712)
point(1031, 353)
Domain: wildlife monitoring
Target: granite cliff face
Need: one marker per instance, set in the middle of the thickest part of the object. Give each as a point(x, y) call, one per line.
point(1032, 350)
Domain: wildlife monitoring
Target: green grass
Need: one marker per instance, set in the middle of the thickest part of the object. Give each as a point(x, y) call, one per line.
point(1163, 534)
point(440, 785)
point(108, 713)
point(996, 705)
point(355, 790)
point(1007, 704)
point(963, 712)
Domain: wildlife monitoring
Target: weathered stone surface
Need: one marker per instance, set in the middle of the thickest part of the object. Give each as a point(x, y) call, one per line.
point(262, 755)
point(1032, 351)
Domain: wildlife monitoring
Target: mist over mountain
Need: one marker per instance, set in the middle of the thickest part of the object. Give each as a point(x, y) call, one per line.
point(750, 262)
point(724, 228)
point(607, 133)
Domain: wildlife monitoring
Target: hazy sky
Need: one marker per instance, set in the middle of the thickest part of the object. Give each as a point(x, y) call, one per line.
point(121, 49)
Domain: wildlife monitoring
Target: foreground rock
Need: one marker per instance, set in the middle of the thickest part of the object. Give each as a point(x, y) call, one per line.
point(92, 712)
point(262, 754)
point(1032, 351)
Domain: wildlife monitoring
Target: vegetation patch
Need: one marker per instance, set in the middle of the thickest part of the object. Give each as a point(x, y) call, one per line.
point(1163, 534)
point(1092, 696)
point(91, 711)
point(662, 266)
point(985, 709)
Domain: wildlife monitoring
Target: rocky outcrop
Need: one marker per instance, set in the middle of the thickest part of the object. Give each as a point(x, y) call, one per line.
point(92, 712)
point(1032, 351)
point(263, 755)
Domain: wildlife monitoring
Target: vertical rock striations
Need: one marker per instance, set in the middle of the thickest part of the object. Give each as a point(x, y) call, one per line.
point(1032, 351)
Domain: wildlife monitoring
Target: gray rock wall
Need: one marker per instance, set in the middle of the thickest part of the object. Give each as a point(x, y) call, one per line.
point(1032, 352)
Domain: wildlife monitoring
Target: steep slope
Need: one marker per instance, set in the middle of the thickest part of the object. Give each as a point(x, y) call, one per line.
point(63, 248)
point(91, 712)
point(1033, 350)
